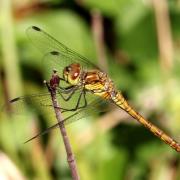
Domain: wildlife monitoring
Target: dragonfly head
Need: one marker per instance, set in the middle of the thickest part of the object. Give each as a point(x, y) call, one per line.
point(71, 73)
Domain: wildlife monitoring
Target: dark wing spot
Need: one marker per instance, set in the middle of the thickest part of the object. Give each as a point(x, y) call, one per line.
point(14, 100)
point(56, 53)
point(36, 28)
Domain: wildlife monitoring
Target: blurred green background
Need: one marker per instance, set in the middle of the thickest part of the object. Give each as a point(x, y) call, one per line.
point(138, 43)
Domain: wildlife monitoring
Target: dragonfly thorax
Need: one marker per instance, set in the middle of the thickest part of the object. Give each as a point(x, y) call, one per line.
point(99, 83)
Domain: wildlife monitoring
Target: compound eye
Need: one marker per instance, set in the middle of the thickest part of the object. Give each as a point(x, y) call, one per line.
point(68, 69)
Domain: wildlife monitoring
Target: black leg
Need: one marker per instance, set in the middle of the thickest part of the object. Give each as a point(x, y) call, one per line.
point(69, 97)
point(83, 92)
point(63, 109)
point(68, 90)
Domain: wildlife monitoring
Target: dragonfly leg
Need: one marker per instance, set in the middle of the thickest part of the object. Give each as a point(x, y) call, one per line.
point(62, 109)
point(83, 92)
point(69, 90)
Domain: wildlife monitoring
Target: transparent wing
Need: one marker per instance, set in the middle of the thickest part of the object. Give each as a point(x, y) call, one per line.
point(20, 104)
point(58, 61)
point(42, 102)
point(93, 108)
point(47, 44)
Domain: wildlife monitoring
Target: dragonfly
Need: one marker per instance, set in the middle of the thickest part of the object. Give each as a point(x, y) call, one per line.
point(82, 86)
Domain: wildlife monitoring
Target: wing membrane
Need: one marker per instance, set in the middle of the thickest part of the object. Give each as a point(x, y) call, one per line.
point(92, 109)
point(58, 61)
point(42, 102)
point(57, 56)
point(47, 44)
point(19, 105)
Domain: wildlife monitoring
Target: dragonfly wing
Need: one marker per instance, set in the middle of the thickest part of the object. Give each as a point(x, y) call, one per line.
point(19, 105)
point(42, 102)
point(36, 103)
point(93, 108)
point(58, 61)
point(47, 44)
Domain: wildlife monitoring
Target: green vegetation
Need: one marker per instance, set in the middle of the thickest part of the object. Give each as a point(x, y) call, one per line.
point(142, 52)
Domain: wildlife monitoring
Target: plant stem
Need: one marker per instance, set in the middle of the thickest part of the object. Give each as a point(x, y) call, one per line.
point(98, 34)
point(164, 35)
point(69, 152)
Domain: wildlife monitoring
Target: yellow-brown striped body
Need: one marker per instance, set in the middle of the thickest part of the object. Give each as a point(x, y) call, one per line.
point(101, 85)
point(120, 101)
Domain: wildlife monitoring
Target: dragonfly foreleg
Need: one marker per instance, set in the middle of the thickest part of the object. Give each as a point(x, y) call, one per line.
point(62, 109)
point(83, 92)
point(69, 90)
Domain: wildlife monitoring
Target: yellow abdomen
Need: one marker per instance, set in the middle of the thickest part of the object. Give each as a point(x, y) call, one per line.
point(98, 90)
